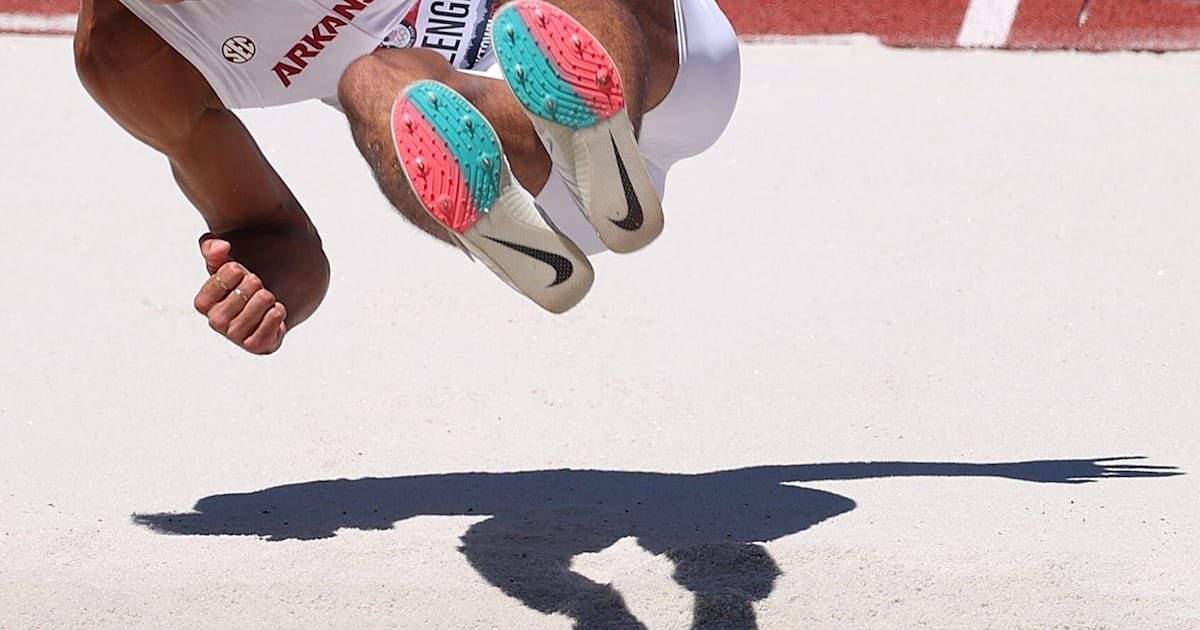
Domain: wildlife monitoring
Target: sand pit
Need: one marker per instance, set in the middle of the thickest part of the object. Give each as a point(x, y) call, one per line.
point(889, 366)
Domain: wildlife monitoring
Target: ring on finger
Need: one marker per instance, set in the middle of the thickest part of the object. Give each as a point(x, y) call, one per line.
point(242, 294)
point(221, 283)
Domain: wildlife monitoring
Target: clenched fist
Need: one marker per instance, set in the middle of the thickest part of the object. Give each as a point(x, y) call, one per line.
point(236, 304)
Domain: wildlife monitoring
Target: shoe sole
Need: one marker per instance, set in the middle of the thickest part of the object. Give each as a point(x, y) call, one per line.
point(454, 162)
point(571, 89)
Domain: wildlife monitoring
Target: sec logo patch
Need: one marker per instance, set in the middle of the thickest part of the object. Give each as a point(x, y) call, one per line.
point(238, 49)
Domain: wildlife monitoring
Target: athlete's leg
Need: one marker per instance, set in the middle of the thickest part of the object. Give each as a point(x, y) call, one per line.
point(450, 150)
point(638, 34)
point(508, 236)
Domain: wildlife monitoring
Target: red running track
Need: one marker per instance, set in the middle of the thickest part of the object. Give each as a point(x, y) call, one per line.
point(1095, 25)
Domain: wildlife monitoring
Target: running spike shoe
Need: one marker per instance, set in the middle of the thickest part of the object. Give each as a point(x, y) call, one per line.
point(572, 91)
point(453, 159)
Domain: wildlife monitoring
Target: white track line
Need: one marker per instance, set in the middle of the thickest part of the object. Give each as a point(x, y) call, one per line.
point(988, 23)
point(25, 23)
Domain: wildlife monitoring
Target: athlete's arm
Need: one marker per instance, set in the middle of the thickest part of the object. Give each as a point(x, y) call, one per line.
point(267, 269)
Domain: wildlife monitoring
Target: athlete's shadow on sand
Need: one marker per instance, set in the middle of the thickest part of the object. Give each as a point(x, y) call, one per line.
point(709, 524)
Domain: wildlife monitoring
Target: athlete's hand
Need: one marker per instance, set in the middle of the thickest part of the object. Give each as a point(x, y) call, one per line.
point(236, 304)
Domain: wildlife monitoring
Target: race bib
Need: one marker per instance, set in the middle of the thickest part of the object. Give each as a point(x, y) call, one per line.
point(459, 30)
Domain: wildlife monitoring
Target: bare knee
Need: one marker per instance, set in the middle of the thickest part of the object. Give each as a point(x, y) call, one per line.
point(370, 84)
point(356, 88)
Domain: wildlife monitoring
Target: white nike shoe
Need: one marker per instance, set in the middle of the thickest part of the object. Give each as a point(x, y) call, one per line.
point(452, 158)
point(572, 91)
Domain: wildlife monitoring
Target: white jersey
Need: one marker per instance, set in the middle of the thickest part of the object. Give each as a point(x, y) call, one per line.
point(258, 54)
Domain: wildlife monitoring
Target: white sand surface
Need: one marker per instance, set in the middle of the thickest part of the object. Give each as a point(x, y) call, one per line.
point(866, 378)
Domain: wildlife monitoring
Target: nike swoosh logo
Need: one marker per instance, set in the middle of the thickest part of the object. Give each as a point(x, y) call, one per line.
point(635, 218)
point(563, 269)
